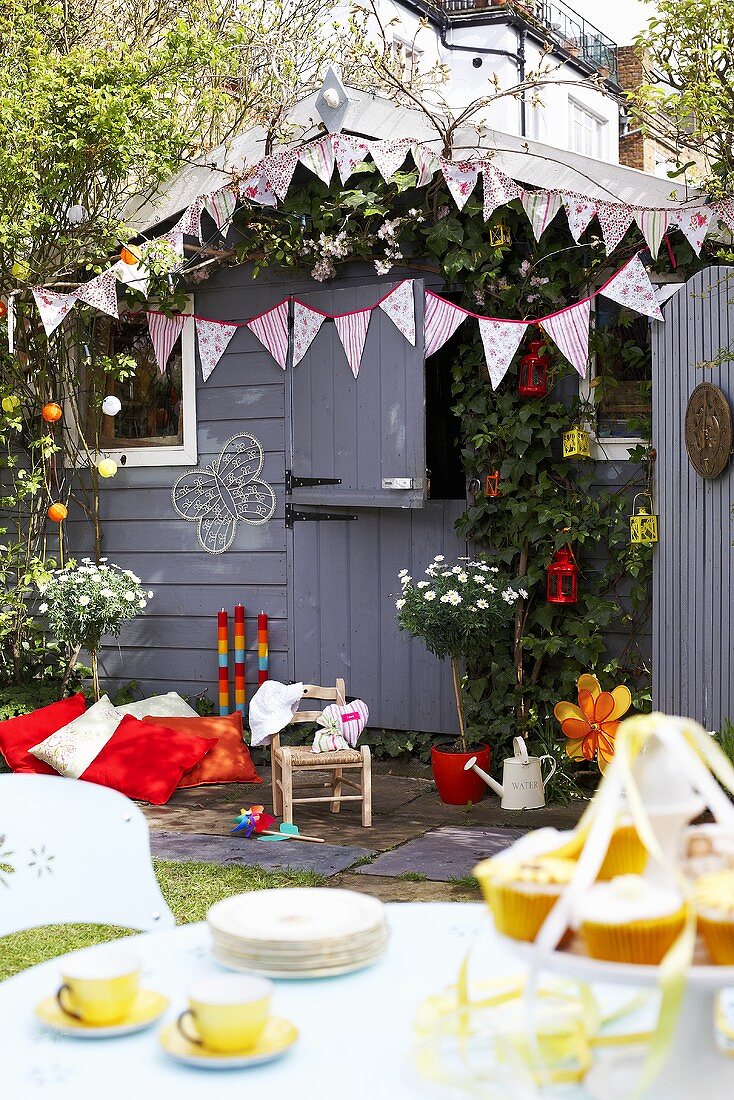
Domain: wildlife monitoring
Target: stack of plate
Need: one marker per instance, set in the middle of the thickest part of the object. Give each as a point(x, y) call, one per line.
point(298, 933)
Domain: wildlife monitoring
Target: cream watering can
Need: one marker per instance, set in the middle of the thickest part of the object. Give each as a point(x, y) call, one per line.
point(523, 785)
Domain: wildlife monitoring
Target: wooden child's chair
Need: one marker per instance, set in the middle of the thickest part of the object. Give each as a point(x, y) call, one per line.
point(285, 760)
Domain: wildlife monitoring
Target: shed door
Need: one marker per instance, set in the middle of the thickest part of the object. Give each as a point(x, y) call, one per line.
point(368, 432)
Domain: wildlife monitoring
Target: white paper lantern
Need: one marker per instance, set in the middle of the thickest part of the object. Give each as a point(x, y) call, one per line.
point(111, 405)
point(76, 214)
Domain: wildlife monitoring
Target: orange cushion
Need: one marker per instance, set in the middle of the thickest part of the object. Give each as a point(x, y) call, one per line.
point(229, 761)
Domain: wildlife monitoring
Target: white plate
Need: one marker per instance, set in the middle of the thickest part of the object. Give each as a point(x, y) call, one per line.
point(298, 915)
point(287, 974)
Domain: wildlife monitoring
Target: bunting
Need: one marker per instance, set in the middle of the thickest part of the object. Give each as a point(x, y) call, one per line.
point(279, 169)
point(271, 329)
point(132, 275)
point(190, 222)
point(614, 219)
point(318, 157)
point(352, 330)
point(256, 188)
point(631, 287)
point(426, 162)
point(100, 293)
point(220, 205)
point(52, 306)
point(541, 208)
point(694, 224)
point(579, 212)
point(569, 331)
point(399, 305)
point(653, 226)
point(388, 155)
point(501, 339)
point(442, 319)
point(349, 153)
point(499, 189)
point(164, 332)
point(724, 211)
point(460, 178)
point(213, 338)
point(307, 324)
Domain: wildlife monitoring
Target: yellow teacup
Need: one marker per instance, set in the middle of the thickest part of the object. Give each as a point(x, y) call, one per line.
point(99, 988)
point(228, 1012)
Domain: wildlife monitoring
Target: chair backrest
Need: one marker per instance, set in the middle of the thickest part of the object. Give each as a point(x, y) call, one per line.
point(72, 851)
point(337, 694)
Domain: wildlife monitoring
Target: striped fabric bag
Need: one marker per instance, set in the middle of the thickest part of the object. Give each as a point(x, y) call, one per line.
point(348, 720)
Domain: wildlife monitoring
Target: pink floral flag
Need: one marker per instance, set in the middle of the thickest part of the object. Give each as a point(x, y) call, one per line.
point(653, 226)
point(694, 223)
point(441, 321)
point(461, 178)
point(101, 293)
point(579, 211)
point(132, 275)
point(221, 205)
point(256, 188)
point(569, 331)
point(399, 305)
point(615, 218)
point(541, 208)
point(307, 323)
point(632, 287)
point(349, 152)
point(389, 155)
point(724, 211)
point(164, 332)
point(190, 221)
point(427, 163)
point(501, 340)
point(499, 189)
point(271, 329)
point(352, 329)
point(213, 338)
point(278, 169)
point(52, 306)
point(318, 157)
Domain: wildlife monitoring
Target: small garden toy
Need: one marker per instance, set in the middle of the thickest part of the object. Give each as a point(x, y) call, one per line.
point(590, 727)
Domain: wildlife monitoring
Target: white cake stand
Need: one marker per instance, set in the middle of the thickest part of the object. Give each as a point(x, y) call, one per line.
point(695, 1069)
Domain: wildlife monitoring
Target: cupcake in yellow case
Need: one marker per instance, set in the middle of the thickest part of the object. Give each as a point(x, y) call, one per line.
point(521, 893)
point(626, 854)
point(714, 898)
point(705, 849)
point(630, 920)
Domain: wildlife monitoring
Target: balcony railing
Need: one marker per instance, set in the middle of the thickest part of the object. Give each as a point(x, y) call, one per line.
point(558, 21)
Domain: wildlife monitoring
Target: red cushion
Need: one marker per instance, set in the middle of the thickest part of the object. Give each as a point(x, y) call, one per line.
point(145, 760)
point(228, 762)
point(17, 735)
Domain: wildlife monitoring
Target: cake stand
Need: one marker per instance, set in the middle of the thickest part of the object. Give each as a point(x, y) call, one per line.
point(695, 1066)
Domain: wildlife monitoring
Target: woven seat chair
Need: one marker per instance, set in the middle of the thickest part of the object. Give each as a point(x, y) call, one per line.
point(285, 760)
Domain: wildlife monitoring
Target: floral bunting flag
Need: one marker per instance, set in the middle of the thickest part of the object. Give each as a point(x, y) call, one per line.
point(52, 306)
point(278, 170)
point(426, 162)
point(101, 293)
point(132, 275)
point(352, 329)
point(318, 157)
point(501, 340)
point(569, 331)
point(694, 224)
point(653, 226)
point(499, 189)
point(164, 332)
point(541, 208)
point(190, 222)
point(220, 205)
point(442, 319)
point(461, 179)
point(307, 323)
point(399, 305)
point(271, 329)
point(579, 211)
point(632, 287)
point(724, 211)
point(389, 155)
point(213, 338)
point(349, 152)
point(615, 219)
point(256, 188)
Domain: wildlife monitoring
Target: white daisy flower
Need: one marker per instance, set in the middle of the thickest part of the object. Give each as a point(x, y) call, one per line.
point(403, 573)
point(399, 604)
point(84, 600)
point(463, 577)
point(150, 595)
point(523, 593)
point(439, 557)
point(43, 608)
point(405, 581)
point(107, 593)
point(482, 605)
point(431, 595)
point(423, 584)
point(142, 604)
point(130, 597)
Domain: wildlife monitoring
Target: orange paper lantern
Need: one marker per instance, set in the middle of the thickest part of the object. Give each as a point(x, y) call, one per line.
point(57, 512)
point(129, 256)
point(51, 412)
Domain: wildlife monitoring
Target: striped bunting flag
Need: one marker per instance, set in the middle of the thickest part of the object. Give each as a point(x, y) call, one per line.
point(318, 157)
point(569, 331)
point(220, 205)
point(653, 226)
point(307, 323)
point(271, 329)
point(52, 306)
point(501, 340)
point(352, 329)
point(441, 321)
point(164, 332)
point(541, 208)
point(427, 164)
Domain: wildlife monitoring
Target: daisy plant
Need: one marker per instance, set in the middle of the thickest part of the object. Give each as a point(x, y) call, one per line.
point(85, 601)
point(457, 609)
point(591, 727)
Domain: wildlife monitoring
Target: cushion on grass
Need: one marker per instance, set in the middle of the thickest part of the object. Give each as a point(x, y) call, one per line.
point(18, 734)
point(228, 762)
point(170, 705)
point(72, 749)
point(145, 760)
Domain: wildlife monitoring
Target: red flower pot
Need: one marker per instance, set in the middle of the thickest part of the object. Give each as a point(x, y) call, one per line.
point(455, 786)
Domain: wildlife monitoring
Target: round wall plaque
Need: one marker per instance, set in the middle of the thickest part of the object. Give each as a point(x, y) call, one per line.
point(708, 430)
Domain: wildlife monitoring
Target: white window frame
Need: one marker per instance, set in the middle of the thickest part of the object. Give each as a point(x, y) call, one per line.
point(601, 134)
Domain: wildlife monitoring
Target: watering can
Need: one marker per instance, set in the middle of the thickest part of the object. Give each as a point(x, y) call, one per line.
point(523, 785)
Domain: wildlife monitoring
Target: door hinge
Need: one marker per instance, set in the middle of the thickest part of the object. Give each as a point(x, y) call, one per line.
point(292, 482)
point(293, 515)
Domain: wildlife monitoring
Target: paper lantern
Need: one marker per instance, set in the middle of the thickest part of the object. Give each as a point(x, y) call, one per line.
point(57, 512)
point(3, 310)
point(129, 255)
point(533, 377)
point(111, 405)
point(52, 412)
point(21, 269)
point(10, 403)
point(107, 467)
point(562, 584)
point(576, 444)
point(643, 524)
point(499, 234)
point(492, 484)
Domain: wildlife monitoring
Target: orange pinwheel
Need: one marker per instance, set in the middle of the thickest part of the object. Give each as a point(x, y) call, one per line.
point(591, 726)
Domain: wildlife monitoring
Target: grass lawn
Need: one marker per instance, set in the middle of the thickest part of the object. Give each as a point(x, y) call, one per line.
point(189, 889)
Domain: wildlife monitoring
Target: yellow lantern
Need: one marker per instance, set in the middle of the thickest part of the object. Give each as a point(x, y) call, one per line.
point(107, 467)
point(21, 269)
point(499, 234)
point(10, 403)
point(643, 524)
point(576, 444)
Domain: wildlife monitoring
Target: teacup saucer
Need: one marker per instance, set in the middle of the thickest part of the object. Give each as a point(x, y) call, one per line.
point(147, 1008)
point(278, 1037)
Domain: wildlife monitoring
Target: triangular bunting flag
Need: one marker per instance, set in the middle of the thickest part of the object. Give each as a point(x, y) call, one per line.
point(579, 211)
point(694, 224)
point(101, 293)
point(399, 305)
point(461, 179)
point(501, 340)
point(653, 226)
point(133, 275)
point(278, 169)
point(389, 155)
point(190, 222)
point(53, 307)
point(11, 320)
point(318, 157)
point(349, 152)
point(352, 329)
point(164, 332)
point(569, 331)
point(220, 205)
point(632, 287)
point(213, 338)
point(441, 321)
point(724, 211)
point(256, 188)
point(615, 219)
point(271, 329)
point(427, 163)
point(306, 325)
point(498, 189)
point(541, 208)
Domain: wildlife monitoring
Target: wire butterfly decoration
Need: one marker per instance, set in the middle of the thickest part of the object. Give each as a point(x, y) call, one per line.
point(227, 491)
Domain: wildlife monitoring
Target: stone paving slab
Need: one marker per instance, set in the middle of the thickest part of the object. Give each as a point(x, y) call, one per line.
point(278, 855)
point(442, 854)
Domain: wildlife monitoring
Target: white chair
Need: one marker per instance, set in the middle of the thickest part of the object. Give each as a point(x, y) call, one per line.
point(74, 852)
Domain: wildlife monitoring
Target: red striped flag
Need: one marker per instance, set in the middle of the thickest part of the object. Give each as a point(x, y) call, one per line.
point(569, 331)
point(352, 329)
point(441, 321)
point(271, 329)
point(164, 332)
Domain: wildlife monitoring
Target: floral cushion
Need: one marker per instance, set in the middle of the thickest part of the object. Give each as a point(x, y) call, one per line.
point(71, 749)
point(170, 705)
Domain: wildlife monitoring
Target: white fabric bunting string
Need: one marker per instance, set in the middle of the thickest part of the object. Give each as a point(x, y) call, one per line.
point(133, 275)
point(11, 321)
point(614, 219)
point(349, 153)
point(541, 208)
point(694, 224)
point(389, 155)
point(442, 319)
point(653, 226)
point(427, 163)
point(257, 189)
point(499, 189)
point(579, 212)
point(100, 293)
point(352, 330)
point(52, 306)
point(318, 157)
point(164, 332)
point(213, 338)
point(460, 179)
point(220, 206)
point(569, 331)
point(278, 171)
point(307, 323)
point(399, 305)
point(271, 329)
point(631, 287)
point(501, 339)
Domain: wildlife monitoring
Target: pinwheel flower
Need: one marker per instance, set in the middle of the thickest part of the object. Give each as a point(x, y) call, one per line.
point(252, 820)
point(590, 727)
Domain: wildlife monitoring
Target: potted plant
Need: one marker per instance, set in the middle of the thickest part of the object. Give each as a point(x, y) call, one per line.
point(456, 610)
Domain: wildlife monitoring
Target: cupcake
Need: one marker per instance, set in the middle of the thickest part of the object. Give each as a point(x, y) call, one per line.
point(626, 854)
point(714, 896)
point(706, 849)
point(630, 920)
point(521, 893)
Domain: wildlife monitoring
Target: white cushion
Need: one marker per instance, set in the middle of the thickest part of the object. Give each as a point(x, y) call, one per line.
point(160, 706)
point(73, 748)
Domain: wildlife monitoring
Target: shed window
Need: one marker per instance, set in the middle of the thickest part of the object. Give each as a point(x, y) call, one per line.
point(623, 365)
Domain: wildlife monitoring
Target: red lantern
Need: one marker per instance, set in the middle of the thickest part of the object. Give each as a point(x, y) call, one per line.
point(533, 379)
point(3, 310)
point(563, 578)
point(492, 484)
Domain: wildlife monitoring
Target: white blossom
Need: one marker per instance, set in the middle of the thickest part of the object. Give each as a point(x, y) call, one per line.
point(462, 577)
point(142, 604)
point(482, 605)
point(84, 601)
point(452, 597)
point(107, 593)
point(43, 608)
point(523, 593)
point(430, 595)
point(403, 573)
point(399, 604)
point(423, 584)
point(405, 581)
point(439, 557)
point(130, 597)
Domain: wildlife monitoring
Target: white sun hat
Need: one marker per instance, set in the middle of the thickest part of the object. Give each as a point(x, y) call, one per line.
point(271, 709)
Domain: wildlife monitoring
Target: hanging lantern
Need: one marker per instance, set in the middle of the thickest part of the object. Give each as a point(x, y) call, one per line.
point(10, 403)
point(533, 378)
point(52, 412)
point(562, 578)
point(57, 512)
point(111, 405)
point(492, 484)
point(3, 310)
point(643, 524)
point(499, 234)
point(21, 269)
point(576, 444)
point(129, 255)
point(107, 467)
